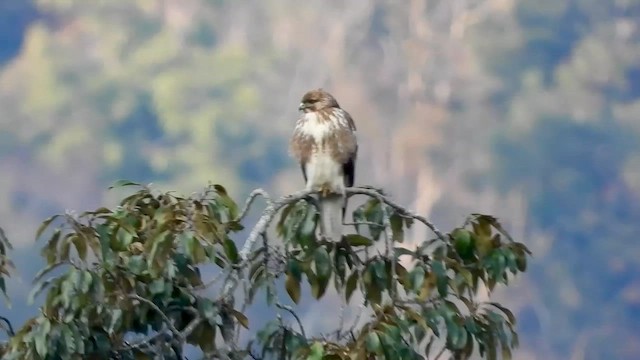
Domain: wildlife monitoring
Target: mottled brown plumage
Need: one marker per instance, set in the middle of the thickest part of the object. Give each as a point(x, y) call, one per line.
point(324, 143)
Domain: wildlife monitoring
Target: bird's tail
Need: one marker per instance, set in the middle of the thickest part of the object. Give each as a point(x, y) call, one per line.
point(332, 209)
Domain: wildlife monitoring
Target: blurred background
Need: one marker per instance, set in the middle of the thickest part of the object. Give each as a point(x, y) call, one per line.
point(525, 109)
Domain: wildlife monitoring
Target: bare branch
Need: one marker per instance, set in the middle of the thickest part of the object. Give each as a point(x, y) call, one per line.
point(252, 196)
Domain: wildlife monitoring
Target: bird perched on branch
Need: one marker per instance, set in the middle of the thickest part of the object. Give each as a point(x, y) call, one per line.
point(324, 143)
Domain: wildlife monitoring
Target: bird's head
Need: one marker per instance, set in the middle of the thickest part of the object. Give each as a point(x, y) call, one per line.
point(317, 99)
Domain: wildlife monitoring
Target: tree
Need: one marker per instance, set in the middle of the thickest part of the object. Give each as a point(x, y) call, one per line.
point(128, 282)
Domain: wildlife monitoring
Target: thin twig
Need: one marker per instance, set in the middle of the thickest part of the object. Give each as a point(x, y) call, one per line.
point(341, 320)
point(369, 223)
point(401, 209)
point(252, 196)
point(389, 248)
point(191, 327)
point(164, 316)
point(290, 311)
point(10, 331)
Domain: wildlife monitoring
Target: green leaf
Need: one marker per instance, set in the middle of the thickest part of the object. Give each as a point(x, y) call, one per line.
point(122, 183)
point(292, 284)
point(86, 282)
point(319, 287)
point(417, 278)
point(402, 274)
point(358, 240)
point(400, 251)
point(380, 274)
point(208, 310)
point(389, 347)
point(231, 251)
point(432, 318)
point(464, 243)
point(317, 351)
point(41, 339)
point(105, 241)
point(307, 229)
point(507, 312)
point(157, 286)
point(467, 351)
point(352, 283)
point(116, 320)
point(124, 236)
point(340, 265)
point(51, 249)
point(220, 189)
point(234, 226)
point(456, 336)
point(511, 258)
point(194, 249)
point(3, 288)
point(442, 280)
point(293, 267)
point(521, 252)
point(358, 217)
point(227, 202)
point(44, 225)
point(242, 319)
point(81, 246)
point(374, 293)
point(322, 262)
point(136, 264)
point(372, 342)
point(281, 227)
point(397, 227)
point(374, 213)
point(37, 289)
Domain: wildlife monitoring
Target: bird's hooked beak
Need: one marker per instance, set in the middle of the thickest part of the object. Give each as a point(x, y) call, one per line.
point(302, 106)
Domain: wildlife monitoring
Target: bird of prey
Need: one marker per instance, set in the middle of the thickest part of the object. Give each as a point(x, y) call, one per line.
point(324, 143)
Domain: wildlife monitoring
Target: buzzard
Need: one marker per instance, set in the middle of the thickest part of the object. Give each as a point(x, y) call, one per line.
point(324, 143)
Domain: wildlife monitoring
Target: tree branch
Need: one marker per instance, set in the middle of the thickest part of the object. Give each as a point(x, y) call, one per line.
point(401, 209)
point(272, 209)
point(10, 331)
point(260, 229)
point(164, 316)
point(290, 311)
point(250, 199)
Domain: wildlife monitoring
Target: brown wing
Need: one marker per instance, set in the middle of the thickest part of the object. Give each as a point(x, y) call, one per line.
point(347, 150)
point(301, 147)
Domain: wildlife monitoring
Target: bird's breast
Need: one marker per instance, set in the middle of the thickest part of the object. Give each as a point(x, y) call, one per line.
point(324, 171)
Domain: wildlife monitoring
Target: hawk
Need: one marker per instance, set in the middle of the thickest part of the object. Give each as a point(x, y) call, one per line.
point(324, 143)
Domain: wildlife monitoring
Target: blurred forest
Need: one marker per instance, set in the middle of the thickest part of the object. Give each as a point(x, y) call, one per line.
point(526, 109)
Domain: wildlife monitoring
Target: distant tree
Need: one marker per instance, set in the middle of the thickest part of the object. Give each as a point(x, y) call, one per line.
point(131, 285)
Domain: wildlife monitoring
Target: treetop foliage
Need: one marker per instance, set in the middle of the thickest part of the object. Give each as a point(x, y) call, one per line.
point(128, 283)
